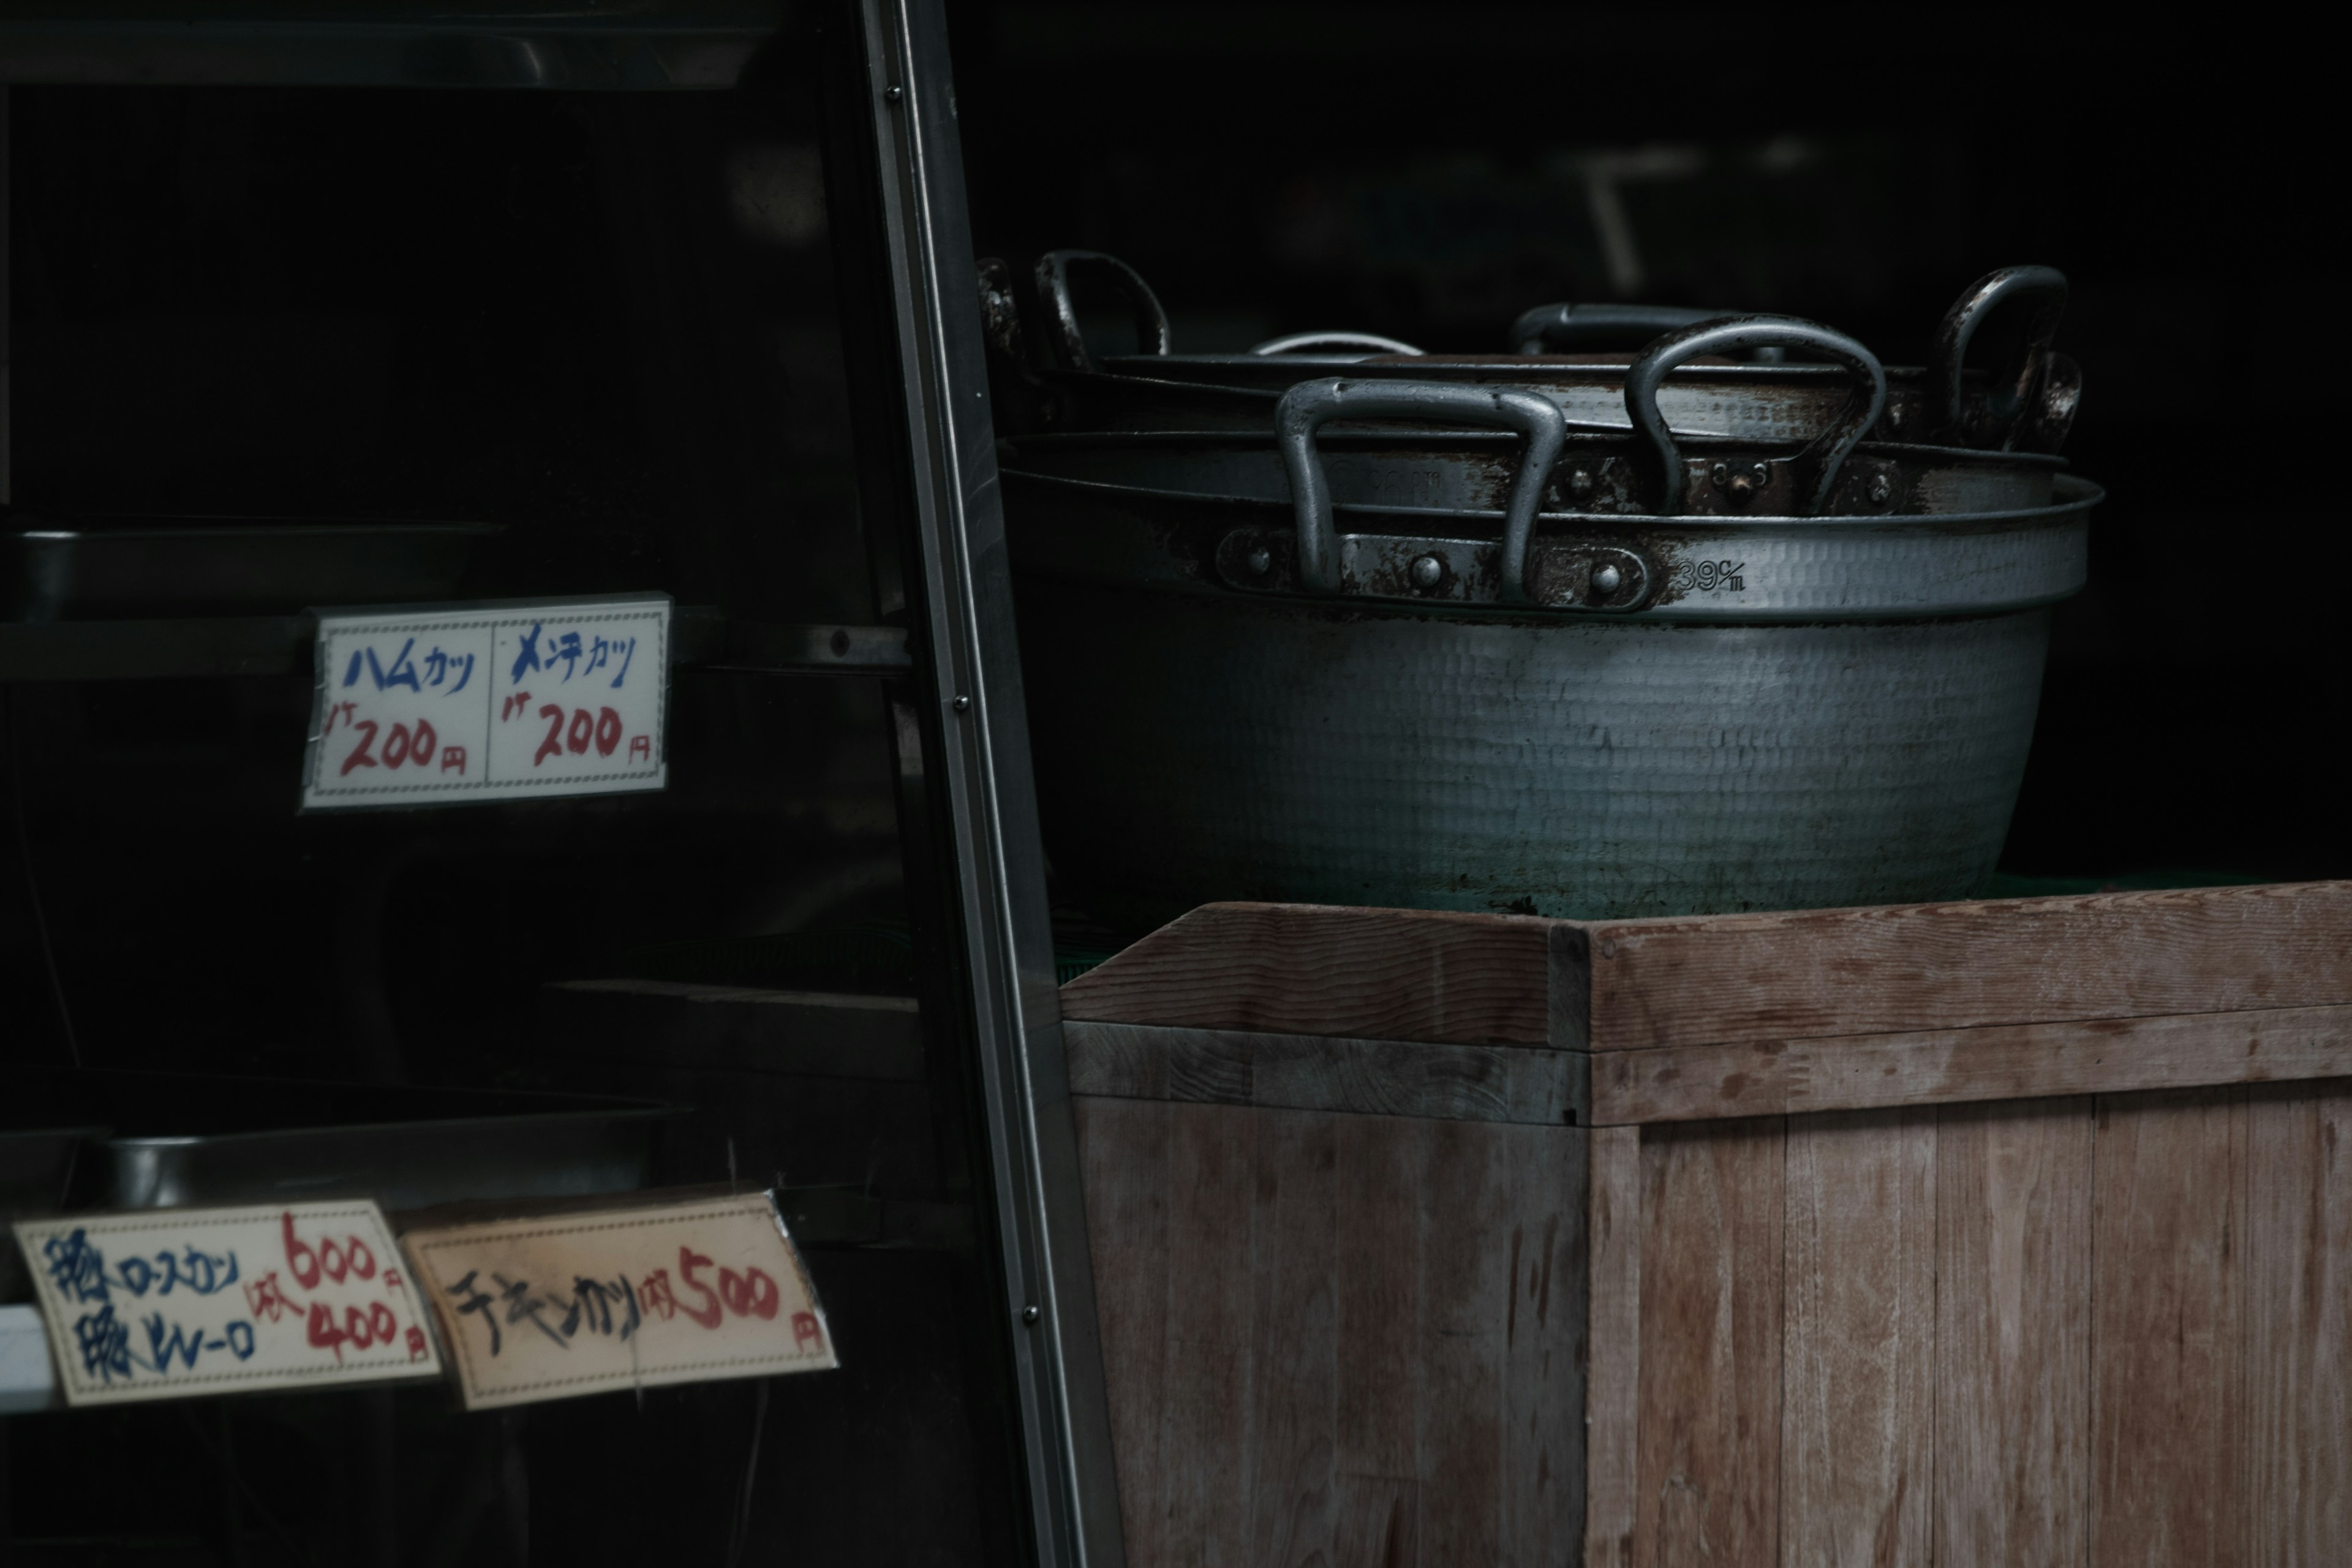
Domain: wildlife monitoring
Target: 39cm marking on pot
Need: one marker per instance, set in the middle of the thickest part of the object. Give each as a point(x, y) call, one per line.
point(1711, 576)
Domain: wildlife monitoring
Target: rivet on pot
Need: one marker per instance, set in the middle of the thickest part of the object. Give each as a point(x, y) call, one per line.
point(1260, 562)
point(1606, 579)
point(1580, 481)
point(1881, 487)
point(1428, 573)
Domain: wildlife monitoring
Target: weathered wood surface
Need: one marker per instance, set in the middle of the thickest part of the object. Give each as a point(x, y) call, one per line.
point(1709, 1451)
point(2167, 1416)
point(1857, 1427)
point(1316, 1072)
point(2298, 1349)
point(2110, 1330)
point(1308, 969)
point(1350, 1339)
point(1729, 979)
point(2013, 1332)
point(1951, 1066)
point(1722, 979)
point(1123, 1162)
point(1613, 1382)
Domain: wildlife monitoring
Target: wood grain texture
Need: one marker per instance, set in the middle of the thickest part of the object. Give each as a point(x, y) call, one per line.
point(1369, 1333)
point(1465, 1294)
point(1709, 1450)
point(2013, 1332)
point(1203, 1490)
point(1312, 1072)
point(1384, 1172)
point(1613, 1347)
point(1308, 969)
point(1123, 1159)
point(2019, 1061)
point(2167, 1483)
point(1857, 1421)
point(2298, 1346)
point(1723, 979)
point(1295, 1348)
point(1544, 1356)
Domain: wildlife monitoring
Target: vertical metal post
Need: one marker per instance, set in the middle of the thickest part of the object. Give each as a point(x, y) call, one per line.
point(7, 240)
point(975, 793)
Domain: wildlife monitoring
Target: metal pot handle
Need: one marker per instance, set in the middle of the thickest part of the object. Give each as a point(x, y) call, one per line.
point(1068, 344)
point(1362, 342)
point(1305, 407)
point(1565, 328)
point(1817, 465)
point(2011, 394)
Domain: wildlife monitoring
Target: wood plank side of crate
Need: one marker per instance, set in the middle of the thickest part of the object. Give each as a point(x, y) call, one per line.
point(2107, 1055)
point(1729, 979)
point(1405, 974)
point(1338, 1337)
point(2297, 1453)
point(1857, 1417)
point(1323, 1072)
point(1709, 1457)
point(2169, 1280)
point(1308, 969)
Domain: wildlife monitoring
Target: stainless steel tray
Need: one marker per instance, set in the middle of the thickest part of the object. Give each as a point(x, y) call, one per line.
point(185, 1139)
point(125, 568)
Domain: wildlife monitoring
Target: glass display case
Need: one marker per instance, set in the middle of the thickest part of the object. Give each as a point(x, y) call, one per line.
point(316, 310)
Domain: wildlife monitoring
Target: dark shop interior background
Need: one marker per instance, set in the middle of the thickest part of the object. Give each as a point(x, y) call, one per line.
point(282, 302)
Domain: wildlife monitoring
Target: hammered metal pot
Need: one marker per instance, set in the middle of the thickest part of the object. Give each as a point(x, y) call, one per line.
point(1649, 469)
point(1570, 715)
point(2026, 405)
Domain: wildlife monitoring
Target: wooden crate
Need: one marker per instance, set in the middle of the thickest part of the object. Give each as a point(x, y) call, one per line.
point(2003, 1231)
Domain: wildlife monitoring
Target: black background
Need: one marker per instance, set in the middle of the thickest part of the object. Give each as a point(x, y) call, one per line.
point(1418, 170)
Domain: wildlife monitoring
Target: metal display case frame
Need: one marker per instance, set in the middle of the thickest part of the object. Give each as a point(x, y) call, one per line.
point(928, 484)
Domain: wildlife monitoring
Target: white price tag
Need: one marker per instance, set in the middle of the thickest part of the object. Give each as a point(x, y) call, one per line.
point(488, 702)
point(176, 1303)
point(546, 1309)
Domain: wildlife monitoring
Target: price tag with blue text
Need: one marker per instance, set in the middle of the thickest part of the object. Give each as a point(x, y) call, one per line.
point(482, 702)
point(180, 1303)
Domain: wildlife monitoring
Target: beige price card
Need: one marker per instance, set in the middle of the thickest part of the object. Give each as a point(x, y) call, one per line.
point(579, 1304)
point(177, 1303)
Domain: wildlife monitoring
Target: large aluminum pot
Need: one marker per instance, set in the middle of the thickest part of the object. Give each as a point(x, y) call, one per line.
point(1649, 468)
point(2027, 404)
point(1563, 714)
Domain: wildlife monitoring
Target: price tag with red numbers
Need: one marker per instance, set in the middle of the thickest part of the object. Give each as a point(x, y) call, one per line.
point(628, 1297)
point(481, 702)
point(179, 1303)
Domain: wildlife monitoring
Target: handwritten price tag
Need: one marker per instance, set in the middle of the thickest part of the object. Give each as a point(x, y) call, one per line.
point(491, 703)
point(183, 1302)
point(693, 1293)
